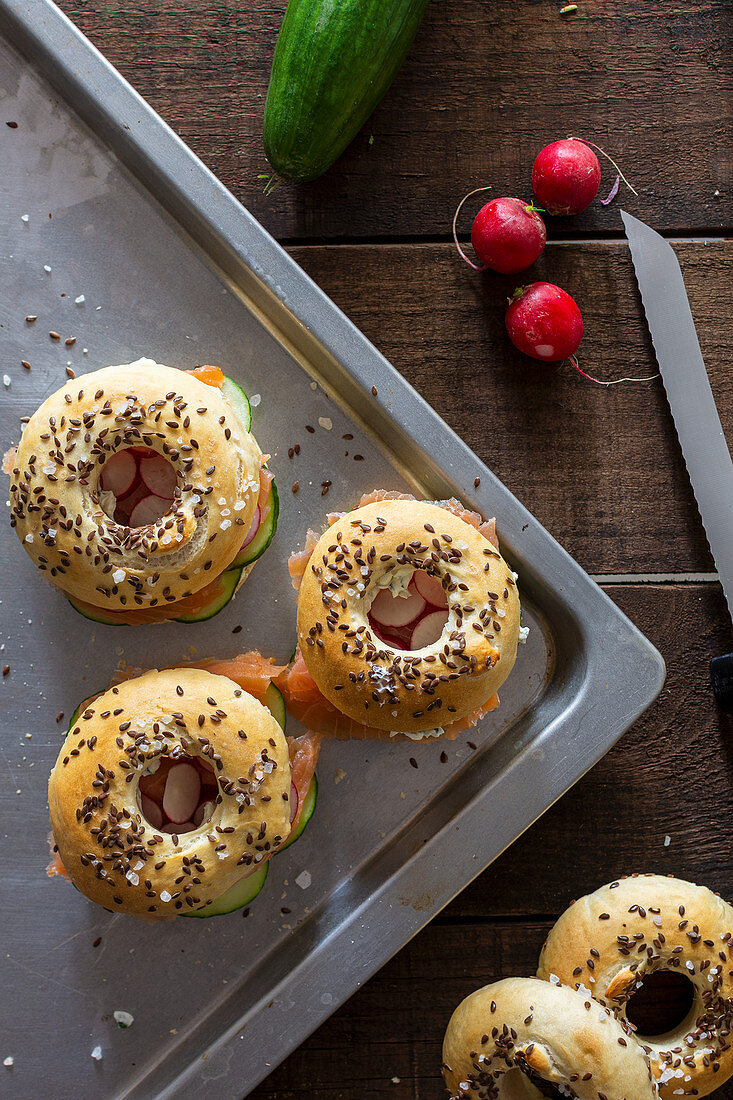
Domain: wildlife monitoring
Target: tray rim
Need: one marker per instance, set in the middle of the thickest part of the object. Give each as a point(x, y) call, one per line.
point(155, 154)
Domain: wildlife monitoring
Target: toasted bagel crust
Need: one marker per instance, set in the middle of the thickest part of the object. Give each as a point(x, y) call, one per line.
point(55, 486)
point(398, 690)
point(632, 927)
point(110, 851)
point(559, 1035)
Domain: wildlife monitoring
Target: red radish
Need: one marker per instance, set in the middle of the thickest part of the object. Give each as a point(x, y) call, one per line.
point(566, 176)
point(543, 321)
point(151, 811)
point(173, 827)
point(118, 473)
point(181, 795)
point(428, 630)
point(253, 527)
point(203, 813)
point(429, 588)
point(152, 784)
point(158, 474)
point(392, 640)
point(149, 510)
point(126, 504)
point(508, 235)
point(294, 802)
point(388, 610)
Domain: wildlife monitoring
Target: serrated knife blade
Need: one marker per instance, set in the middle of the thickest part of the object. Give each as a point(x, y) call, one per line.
point(688, 390)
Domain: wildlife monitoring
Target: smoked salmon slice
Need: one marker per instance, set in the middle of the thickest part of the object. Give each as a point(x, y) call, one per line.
point(253, 672)
point(306, 703)
point(210, 375)
point(304, 752)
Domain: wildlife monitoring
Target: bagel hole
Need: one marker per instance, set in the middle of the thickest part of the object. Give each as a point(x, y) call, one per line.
point(425, 606)
point(137, 486)
point(177, 794)
point(661, 1004)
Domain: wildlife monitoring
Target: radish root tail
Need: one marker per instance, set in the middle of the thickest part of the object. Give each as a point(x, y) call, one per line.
point(615, 382)
point(461, 253)
point(608, 158)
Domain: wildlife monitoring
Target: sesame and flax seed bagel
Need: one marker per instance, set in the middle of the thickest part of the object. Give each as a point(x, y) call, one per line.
point(227, 810)
point(148, 564)
point(608, 942)
point(372, 570)
point(514, 1038)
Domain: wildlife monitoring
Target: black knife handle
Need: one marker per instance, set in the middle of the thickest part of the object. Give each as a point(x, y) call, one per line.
point(721, 674)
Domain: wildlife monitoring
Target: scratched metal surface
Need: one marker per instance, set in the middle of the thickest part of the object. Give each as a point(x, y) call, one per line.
point(182, 274)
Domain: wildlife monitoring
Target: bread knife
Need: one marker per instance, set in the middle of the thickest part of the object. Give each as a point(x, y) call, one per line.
point(696, 419)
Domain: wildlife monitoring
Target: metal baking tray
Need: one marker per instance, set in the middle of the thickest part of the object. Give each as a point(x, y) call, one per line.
point(99, 198)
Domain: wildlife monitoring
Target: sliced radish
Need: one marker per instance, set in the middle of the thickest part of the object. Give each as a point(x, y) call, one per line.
point(389, 610)
point(152, 784)
point(429, 588)
point(181, 795)
point(149, 510)
point(118, 473)
point(253, 528)
point(203, 813)
point(173, 827)
point(428, 630)
point(294, 802)
point(151, 811)
point(158, 475)
point(392, 640)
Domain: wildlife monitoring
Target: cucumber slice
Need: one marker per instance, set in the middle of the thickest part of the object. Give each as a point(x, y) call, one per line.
point(96, 616)
point(265, 531)
point(236, 897)
point(229, 581)
point(309, 806)
point(239, 401)
point(79, 710)
point(276, 705)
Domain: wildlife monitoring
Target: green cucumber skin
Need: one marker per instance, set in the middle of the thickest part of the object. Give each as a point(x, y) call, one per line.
point(309, 805)
point(264, 536)
point(207, 612)
point(276, 705)
point(231, 579)
point(333, 62)
point(236, 897)
point(235, 396)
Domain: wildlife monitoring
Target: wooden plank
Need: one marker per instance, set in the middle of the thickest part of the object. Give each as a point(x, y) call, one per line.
point(387, 1040)
point(394, 1026)
point(669, 776)
point(599, 467)
point(486, 85)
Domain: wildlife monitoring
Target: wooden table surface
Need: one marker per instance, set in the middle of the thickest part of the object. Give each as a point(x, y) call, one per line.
point(487, 84)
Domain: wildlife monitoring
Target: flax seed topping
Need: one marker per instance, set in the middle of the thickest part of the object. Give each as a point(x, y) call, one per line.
point(382, 549)
point(64, 515)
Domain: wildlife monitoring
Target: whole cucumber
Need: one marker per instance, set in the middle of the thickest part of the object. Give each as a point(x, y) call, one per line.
point(333, 62)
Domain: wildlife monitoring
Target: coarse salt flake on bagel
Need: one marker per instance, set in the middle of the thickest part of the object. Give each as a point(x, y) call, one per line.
point(408, 616)
point(169, 789)
point(611, 941)
point(133, 488)
point(525, 1039)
